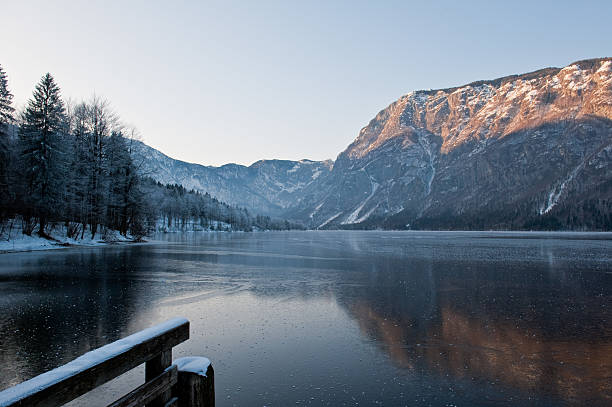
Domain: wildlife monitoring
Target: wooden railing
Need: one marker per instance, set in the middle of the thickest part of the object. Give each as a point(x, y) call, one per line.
point(189, 382)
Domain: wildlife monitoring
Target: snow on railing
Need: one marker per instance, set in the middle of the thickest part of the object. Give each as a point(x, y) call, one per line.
point(164, 382)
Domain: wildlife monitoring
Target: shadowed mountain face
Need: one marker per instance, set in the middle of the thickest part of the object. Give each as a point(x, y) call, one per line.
point(267, 187)
point(530, 150)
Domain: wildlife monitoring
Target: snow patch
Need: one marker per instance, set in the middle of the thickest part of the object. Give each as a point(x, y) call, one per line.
point(316, 210)
point(555, 194)
point(577, 78)
point(426, 145)
point(329, 220)
point(520, 91)
point(352, 218)
point(556, 83)
point(294, 169)
point(605, 67)
point(420, 98)
point(193, 364)
point(367, 214)
point(570, 68)
point(531, 95)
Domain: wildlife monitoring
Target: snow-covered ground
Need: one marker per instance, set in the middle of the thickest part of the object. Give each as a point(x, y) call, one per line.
point(12, 238)
point(191, 226)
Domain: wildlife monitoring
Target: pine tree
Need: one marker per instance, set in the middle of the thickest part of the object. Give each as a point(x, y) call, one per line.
point(6, 117)
point(40, 136)
point(6, 100)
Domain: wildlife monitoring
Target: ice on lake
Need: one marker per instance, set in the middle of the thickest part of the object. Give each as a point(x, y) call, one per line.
point(333, 318)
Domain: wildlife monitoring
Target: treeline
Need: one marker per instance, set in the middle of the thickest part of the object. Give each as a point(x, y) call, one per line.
point(72, 165)
point(69, 165)
point(579, 214)
point(594, 214)
point(177, 208)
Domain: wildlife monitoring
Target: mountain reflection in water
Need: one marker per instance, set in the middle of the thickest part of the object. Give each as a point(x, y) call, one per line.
point(483, 339)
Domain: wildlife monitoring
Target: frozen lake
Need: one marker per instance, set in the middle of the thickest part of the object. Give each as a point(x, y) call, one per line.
point(333, 318)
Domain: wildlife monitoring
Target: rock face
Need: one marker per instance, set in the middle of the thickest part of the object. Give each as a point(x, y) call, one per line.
point(523, 151)
point(267, 187)
point(515, 152)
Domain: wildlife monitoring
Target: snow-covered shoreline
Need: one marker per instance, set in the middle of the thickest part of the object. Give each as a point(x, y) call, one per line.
point(36, 243)
point(13, 239)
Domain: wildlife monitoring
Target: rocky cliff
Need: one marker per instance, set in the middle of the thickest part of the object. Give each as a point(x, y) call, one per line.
point(517, 152)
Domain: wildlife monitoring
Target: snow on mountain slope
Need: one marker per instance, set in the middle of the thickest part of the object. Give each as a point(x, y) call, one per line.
point(266, 187)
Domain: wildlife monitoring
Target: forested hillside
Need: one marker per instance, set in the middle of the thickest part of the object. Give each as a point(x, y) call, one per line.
point(173, 207)
point(72, 165)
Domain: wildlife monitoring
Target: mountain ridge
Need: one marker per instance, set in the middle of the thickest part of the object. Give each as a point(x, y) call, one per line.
point(265, 187)
point(513, 152)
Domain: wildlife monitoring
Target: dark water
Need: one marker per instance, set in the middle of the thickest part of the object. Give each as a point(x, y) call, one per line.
point(334, 318)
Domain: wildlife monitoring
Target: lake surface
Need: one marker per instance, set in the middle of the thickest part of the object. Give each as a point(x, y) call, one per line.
point(333, 318)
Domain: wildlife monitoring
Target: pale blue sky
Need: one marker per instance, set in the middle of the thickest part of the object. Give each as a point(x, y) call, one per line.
point(237, 81)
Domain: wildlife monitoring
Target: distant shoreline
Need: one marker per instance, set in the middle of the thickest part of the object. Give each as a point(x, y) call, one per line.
point(36, 243)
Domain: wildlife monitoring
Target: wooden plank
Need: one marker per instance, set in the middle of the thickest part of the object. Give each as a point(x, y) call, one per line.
point(150, 390)
point(95, 368)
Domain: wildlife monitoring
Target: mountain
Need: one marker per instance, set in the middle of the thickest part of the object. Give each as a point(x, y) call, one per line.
point(522, 151)
point(267, 187)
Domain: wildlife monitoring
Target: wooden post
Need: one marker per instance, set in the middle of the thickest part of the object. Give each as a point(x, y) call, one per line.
point(153, 368)
point(196, 382)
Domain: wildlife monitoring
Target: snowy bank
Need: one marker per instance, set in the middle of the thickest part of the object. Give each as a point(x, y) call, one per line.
point(12, 239)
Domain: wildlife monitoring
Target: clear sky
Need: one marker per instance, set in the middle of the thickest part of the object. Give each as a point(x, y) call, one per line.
point(215, 82)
